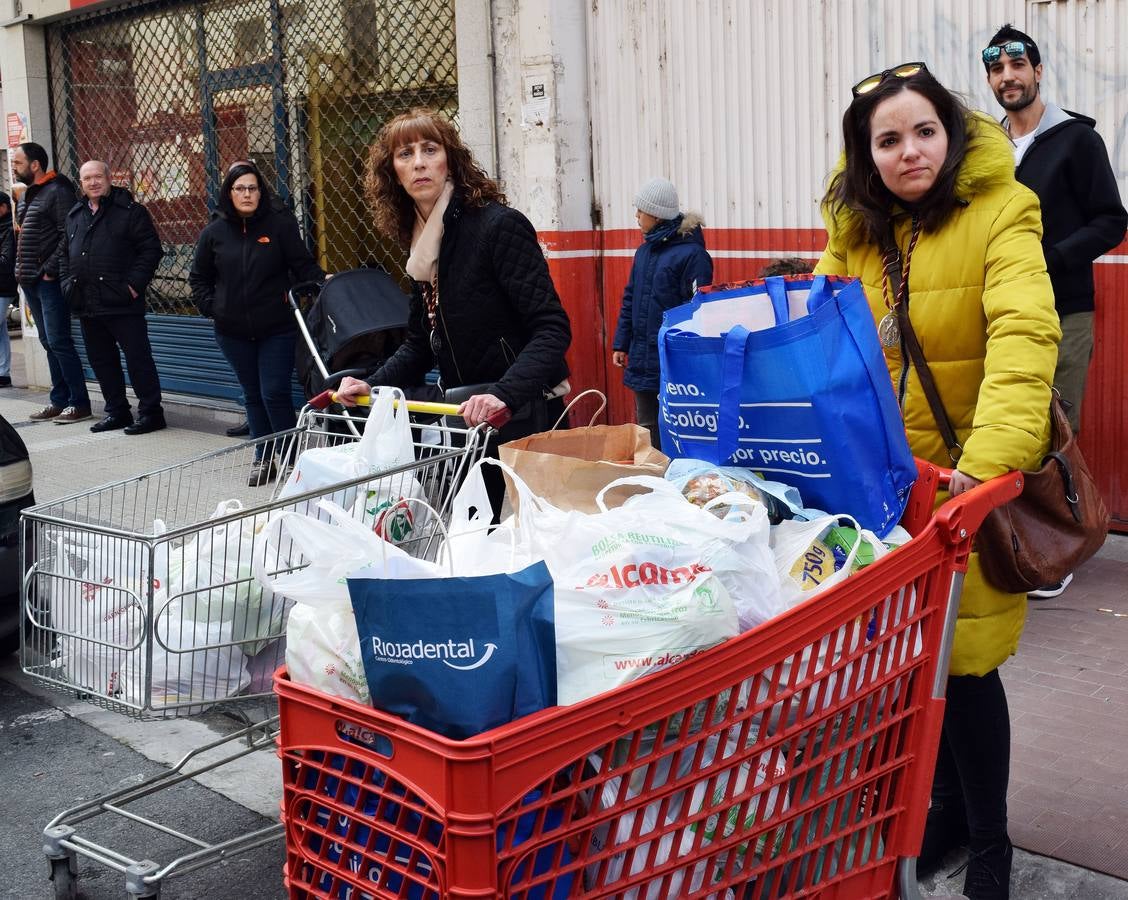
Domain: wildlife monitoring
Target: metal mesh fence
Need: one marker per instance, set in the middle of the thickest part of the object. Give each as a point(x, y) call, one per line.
point(169, 94)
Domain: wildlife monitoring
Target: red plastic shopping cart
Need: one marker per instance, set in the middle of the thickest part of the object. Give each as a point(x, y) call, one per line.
point(792, 761)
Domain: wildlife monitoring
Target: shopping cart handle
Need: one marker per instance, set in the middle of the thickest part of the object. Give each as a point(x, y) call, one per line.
point(426, 407)
point(495, 421)
point(960, 517)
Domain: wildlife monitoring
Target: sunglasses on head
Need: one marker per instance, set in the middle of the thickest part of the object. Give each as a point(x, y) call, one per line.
point(1014, 50)
point(905, 70)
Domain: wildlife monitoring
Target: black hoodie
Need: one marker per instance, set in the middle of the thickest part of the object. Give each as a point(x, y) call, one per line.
point(243, 268)
point(1067, 166)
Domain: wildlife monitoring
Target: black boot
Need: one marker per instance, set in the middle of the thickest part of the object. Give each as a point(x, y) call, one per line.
point(988, 870)
point(945, 829)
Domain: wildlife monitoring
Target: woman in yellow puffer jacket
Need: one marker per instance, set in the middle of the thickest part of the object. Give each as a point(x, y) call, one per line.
point(924, 172)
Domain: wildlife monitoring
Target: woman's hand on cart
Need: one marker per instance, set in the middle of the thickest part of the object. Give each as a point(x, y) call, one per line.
point(960, 482)
point(482, 408)
point(351, 390)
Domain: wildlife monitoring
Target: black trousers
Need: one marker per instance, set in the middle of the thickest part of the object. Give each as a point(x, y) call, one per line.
point(973, 765)
point(646, 414)
point(103, 336)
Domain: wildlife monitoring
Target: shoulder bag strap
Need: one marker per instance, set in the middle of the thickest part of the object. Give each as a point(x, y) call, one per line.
point(910, 343)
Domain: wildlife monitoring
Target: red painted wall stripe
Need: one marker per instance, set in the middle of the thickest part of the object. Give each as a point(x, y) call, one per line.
point(591, 267)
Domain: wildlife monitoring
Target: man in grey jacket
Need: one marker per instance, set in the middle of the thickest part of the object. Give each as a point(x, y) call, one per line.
point(41, 217)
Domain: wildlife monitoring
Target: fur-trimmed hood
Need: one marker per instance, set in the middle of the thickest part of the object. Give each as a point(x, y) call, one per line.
point(989, 161)
point(690, 221)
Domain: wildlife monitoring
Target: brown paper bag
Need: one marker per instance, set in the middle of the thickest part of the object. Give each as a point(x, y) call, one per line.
point(568, 468)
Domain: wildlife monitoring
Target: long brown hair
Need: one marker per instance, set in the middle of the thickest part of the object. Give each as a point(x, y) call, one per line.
point(858, 186)
point(392, 208)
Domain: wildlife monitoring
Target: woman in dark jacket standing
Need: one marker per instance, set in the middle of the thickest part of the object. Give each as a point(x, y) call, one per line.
point(246, 260)
point(484, 309)
point(669, 267)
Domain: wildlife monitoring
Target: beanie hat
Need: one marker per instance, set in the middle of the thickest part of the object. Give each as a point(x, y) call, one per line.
point(658, 198)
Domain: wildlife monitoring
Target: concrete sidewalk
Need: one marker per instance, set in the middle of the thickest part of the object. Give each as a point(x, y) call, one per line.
point(68, 458)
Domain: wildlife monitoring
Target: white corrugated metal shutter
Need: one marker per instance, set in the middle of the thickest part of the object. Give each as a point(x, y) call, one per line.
point(739, 103)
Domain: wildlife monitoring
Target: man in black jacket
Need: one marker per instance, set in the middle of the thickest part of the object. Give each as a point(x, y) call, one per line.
point(9, 290)
point(41, 216)
point(106, 262)
point(1062, 159)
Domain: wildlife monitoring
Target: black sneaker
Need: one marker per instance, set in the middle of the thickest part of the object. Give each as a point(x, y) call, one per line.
point(988, 871)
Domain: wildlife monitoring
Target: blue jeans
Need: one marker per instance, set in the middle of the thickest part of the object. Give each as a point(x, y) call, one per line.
point(264, 367)
point(5, 341)
point(53, 321)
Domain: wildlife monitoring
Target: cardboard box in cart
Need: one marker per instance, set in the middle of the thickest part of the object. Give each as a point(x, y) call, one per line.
point(839, 720)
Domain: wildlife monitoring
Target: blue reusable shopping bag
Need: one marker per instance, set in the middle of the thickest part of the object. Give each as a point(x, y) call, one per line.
point(458, 655)
point(787, 377)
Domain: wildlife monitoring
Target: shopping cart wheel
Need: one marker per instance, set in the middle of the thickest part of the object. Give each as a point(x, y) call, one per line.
point(62, 860)
point(64, 877)
point(136, 888)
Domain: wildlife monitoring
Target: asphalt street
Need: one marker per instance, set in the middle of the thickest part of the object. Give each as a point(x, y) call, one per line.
point(52, 762)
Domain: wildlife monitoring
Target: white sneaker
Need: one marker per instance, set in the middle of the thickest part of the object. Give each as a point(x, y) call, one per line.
point(1051, 590)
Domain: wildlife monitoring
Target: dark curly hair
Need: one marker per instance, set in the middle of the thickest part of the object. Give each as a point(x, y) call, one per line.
point(858, 186)
point(392, 209)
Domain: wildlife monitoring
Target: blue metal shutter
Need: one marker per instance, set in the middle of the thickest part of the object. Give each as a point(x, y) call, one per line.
point(188, 359)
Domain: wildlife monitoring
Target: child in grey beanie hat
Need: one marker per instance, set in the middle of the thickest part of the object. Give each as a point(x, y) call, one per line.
point(668, 268)
point(658, 198)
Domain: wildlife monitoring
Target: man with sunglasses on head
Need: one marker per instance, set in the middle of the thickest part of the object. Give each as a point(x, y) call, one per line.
point(1059, 155)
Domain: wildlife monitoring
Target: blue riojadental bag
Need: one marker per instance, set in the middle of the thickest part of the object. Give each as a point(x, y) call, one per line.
point(787, 377)
point(458, 655)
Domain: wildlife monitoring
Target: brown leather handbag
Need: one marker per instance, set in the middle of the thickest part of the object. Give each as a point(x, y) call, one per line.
point(1058, 521)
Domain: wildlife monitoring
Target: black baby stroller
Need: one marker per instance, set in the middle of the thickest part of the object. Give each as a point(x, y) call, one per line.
point(352, 325)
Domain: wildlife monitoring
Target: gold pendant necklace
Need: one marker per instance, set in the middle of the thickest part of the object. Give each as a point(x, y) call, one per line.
point(889, 328)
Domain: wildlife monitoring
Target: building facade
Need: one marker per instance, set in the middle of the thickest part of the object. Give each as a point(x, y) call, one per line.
point(570, 104)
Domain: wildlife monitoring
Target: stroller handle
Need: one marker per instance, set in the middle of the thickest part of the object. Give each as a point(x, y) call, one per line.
point(425, 407)
point(301, 287)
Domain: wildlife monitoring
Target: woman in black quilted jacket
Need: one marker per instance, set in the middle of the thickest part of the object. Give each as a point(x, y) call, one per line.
point(484, 309)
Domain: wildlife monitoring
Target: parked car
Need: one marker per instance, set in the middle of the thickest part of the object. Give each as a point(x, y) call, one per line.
point(15, 495)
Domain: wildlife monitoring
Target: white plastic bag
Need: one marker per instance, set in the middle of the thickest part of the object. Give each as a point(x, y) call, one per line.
point(322, 644)
point(809, 562)
point(193, 663)
point(384, 445)
point(707, 793)
point(808, 565)
point(212, 579)
point(645, 585)
point(97, 607)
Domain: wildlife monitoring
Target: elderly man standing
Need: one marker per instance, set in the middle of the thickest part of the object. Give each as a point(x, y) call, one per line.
point(40, 217)
point(108, 258)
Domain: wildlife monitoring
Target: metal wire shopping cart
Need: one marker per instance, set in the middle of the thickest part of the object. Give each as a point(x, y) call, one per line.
point(792, 761)
point(143, 597)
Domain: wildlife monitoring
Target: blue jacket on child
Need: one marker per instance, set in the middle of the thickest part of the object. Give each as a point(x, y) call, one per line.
point(669, 266)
